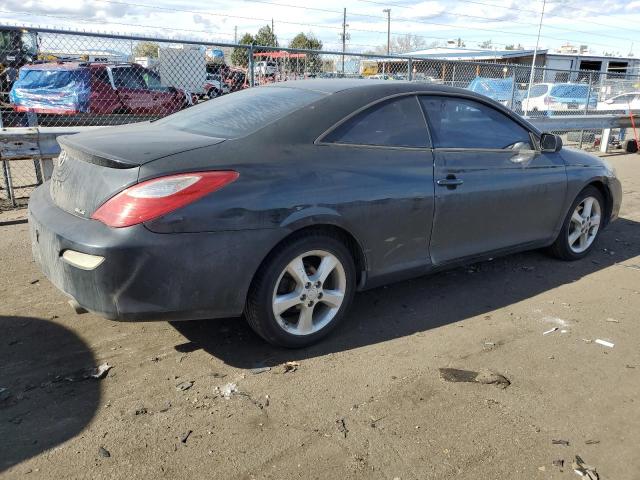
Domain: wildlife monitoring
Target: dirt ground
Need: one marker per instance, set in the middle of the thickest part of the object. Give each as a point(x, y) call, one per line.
point(369, 402)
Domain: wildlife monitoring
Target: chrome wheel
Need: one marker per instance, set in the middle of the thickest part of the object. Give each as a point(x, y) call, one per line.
point(584, 225)
point(309, 292)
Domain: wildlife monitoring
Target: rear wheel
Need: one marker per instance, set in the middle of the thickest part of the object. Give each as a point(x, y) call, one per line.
point(302, 291)
point(581, 227)
point(213, 93)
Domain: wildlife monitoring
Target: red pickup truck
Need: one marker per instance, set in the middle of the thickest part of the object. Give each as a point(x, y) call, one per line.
point(99, 88)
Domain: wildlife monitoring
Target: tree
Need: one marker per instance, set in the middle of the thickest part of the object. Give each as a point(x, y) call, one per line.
point(488, 44)
point(266, 37)
point(240, 56)
point(146, 49)
point(312, 61)
point(404, 44)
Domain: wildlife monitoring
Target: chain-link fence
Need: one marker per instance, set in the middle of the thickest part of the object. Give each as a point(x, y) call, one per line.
point(55, 78)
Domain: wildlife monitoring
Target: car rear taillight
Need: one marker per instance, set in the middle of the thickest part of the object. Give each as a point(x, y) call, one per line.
point(154, 198)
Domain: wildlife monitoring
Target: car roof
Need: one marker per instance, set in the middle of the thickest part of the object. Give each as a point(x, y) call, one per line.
point(55, 66)
point(334, 85)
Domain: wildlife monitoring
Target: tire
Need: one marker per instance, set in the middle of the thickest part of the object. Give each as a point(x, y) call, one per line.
point(213, 93)
point(274, 288)
point(566, 249)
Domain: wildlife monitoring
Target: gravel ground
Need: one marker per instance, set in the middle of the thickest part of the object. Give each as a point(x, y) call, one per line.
point(369, 402)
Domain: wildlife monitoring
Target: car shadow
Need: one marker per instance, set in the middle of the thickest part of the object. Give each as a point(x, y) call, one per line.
point(45, 398)
point(413, 306)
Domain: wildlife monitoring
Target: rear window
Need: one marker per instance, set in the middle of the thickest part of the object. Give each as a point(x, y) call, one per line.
point(570, 91)
point(240, 113)
point(52, 79)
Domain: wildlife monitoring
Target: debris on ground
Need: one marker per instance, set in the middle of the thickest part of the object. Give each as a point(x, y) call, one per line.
point(591, 442)
point(612, 320)
point(604, 343)
point(560, 442)
point(558, 463)
point(226, 390)
point(342, 427)
point(584, 470)
point(167, 406)
point(554, 329)
point(33, 282)
point(101, 371)
point(103, 452)
point(141, 410)
point(185, 437)
point(290, 367)
point(259, 370)
point(485, 377)
point(181, 387)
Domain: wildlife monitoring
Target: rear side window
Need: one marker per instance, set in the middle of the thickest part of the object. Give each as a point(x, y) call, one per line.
point(538, 90)
point(570, 91)
point(392, 123)
point(462, 123)
point(241, 113)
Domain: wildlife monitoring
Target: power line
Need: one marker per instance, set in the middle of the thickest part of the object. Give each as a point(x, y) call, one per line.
point(154, 7)
point(475, 2)
point(462, 15)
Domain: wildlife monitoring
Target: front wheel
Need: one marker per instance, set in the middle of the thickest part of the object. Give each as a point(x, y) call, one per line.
point(302, 291)
point(581, 227)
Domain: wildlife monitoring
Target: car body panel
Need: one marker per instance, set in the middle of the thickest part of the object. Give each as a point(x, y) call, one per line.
point(202, 257)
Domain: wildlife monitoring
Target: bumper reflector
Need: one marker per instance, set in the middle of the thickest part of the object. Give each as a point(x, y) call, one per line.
point(82, 260)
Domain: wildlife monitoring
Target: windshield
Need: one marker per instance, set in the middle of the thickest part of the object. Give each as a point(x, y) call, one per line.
point(241, 113)
point(570, 91)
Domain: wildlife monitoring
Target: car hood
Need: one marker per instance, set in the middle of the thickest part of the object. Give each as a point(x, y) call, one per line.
point(136, 144)
point(574, 157)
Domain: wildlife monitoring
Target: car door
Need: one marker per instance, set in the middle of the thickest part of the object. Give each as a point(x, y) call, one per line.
point(494, 188)
point(383, 168)
point(132, 90)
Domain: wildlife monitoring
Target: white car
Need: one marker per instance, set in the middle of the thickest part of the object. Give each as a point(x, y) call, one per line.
point(265, 68)
point(621, 103)
point(556, 97)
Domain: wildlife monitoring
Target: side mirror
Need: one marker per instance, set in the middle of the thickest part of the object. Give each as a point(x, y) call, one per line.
point(550, 142)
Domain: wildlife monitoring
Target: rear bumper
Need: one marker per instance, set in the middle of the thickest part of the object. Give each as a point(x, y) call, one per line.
point(146, 275)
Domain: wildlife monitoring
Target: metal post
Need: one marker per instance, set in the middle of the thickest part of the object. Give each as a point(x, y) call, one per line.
point(604, 141)
point(533, 61)
point(453, 76)
point(252, 81)
point(513, 91)
point(8, 182)
point(410, 69)
point(388, 12)
point(344, 36)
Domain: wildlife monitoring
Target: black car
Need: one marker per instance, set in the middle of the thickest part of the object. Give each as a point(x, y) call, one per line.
point(279, 202)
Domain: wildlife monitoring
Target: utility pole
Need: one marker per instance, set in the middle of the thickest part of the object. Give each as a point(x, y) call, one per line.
point(533, 62)
point(272, 32)
point(344, 36)
point(388, 12)
point(235, 34)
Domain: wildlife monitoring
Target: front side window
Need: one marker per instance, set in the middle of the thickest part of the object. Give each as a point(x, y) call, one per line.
point(397, 122)
point(462, 123)
point(126, 77)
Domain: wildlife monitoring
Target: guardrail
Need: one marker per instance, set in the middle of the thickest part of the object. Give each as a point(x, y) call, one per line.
point(40, 143)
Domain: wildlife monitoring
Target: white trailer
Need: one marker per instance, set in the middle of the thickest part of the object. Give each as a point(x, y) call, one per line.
point(183, 68)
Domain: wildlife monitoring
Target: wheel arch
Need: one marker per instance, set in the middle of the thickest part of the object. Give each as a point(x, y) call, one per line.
point(332, 228)
point(603, 188)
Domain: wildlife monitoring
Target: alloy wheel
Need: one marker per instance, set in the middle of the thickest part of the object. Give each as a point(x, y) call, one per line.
point(584, 224)
point(309, 292)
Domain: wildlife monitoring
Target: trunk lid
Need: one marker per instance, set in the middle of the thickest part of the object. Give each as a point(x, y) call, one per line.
point(94, 166)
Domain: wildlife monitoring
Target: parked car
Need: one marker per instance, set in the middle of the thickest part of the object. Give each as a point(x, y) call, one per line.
point(622, 103)
point(265, 68)
point(100, 88)
point(502, 90)
point(215, 86)
point(558, 97)
point(280, 202)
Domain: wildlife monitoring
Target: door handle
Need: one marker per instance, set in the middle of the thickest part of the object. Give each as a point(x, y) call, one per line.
point(450, 182)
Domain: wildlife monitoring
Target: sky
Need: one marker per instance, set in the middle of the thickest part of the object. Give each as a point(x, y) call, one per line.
point(603, 25)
